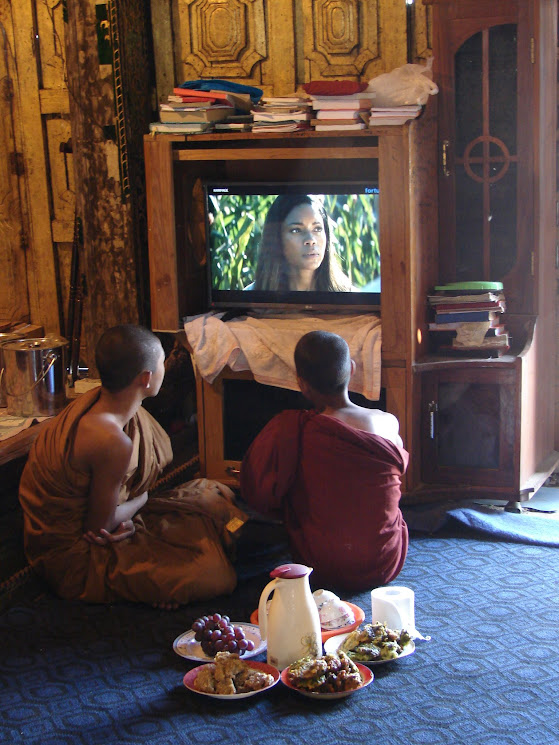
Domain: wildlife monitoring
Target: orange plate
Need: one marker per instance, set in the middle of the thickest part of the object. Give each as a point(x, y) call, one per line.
point(357, 612)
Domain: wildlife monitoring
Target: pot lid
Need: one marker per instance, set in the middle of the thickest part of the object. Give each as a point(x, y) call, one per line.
point(290, 571)
point(46, 342)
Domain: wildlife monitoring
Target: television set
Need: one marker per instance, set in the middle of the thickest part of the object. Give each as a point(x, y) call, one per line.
point(235, 217)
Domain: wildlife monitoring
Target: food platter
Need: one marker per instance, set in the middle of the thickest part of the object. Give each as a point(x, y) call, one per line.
point(367, 677)
point(191, 675)
point(357, 612)
point(332, 645)
point(185, 645)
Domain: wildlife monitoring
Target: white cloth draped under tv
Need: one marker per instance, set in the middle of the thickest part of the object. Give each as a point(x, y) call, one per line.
point(265, 345)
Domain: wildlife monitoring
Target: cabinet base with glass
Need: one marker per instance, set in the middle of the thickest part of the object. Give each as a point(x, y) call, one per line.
point(482, 434)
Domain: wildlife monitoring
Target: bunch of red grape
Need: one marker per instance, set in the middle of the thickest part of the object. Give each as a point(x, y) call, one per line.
point(217, 634)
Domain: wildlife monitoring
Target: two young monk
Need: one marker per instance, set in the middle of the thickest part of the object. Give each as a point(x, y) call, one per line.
point(94, 532)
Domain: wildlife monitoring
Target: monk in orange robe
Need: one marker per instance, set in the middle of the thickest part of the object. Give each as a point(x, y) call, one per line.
point(90, 527)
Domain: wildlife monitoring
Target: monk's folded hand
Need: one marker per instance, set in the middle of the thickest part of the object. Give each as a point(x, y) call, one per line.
point(125, 530)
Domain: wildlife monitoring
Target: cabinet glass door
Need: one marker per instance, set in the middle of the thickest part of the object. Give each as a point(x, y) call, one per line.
point(468, 425)
point(486, 154)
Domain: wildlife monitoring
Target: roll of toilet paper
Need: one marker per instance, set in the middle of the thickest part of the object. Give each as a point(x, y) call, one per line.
point(395, 606)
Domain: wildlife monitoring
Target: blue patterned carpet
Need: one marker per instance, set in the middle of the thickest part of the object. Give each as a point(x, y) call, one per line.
point(73, 674)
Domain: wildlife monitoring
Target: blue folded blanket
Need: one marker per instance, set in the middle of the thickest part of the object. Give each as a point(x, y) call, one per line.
point(510, 526)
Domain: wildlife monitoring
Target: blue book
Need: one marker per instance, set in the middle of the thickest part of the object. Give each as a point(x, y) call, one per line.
point(469, 315)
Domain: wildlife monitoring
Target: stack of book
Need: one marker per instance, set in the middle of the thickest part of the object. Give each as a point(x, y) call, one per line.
point(467, 319)
point(349, 112)
point(281, 114)
point(189, 111)
point(396, 115)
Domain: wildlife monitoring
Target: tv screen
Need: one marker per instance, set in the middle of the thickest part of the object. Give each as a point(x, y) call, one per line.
point(305, 245)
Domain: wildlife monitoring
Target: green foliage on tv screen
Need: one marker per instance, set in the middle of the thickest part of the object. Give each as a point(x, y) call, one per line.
point(236, 228)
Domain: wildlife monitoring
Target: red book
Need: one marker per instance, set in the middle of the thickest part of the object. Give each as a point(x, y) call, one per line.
point(240, 101)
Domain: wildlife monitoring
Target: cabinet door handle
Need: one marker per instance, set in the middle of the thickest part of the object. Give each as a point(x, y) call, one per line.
point(232, 471)
point(432, 408)
point(446, 145)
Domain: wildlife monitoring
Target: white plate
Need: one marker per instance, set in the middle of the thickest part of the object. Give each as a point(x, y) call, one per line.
point(186, 645)
point(190, 677)
point(332, 644)
point(366, 678)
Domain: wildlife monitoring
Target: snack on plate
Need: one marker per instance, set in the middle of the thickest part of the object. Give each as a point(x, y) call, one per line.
point(373, 642)
point(229, 675)
point(333, 612)
point(328, 674)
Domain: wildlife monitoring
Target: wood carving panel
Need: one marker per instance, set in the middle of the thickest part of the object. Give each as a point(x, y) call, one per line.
point(341, 36)
point(221, 38)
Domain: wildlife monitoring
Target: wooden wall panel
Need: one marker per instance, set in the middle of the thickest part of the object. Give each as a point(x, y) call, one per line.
point(221, 39)
point(14, 303)
point(41, 267)
point(278, 44)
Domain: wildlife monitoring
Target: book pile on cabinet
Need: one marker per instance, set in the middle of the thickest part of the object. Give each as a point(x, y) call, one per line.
point(281, 114)
point(467, 320)
point(349, 112)
point(188, 111)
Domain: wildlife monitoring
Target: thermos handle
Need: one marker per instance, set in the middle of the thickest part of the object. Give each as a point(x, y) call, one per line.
point(263, 610)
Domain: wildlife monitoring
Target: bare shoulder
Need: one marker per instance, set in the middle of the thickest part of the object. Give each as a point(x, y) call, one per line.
point(99, 441)
point(385, 425)
point(375, 421)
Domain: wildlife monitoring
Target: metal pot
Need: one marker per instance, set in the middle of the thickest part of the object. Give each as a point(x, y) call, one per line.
point(34, 376)
point(5, 337)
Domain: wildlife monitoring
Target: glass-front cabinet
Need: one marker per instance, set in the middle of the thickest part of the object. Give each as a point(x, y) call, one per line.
point(484, 62)
point(487, 425)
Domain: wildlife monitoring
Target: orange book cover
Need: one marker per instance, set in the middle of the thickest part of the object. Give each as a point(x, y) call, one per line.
point(204, 95)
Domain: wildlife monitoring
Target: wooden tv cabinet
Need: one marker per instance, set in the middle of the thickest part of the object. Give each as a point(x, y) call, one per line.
point(405, 160)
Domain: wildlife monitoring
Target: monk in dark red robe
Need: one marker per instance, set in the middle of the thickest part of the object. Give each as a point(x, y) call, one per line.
point(333, 480)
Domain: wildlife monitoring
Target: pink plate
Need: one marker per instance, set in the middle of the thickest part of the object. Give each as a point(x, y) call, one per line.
point(366, 677)
point(190, 677)
point(357, 612)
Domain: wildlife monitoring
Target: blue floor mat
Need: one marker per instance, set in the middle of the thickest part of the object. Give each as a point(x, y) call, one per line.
point(520, 527)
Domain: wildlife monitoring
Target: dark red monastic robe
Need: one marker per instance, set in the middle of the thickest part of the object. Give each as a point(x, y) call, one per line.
point(337, 489)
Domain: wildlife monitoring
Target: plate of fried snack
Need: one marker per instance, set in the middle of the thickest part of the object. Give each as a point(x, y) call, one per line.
point(328, 677)
point(372, 644)
point(230, 678)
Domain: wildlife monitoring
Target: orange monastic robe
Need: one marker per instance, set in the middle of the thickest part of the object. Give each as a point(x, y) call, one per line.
point(179, 550)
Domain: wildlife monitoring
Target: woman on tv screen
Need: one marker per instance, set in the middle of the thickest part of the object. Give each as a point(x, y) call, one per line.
point(296, 252)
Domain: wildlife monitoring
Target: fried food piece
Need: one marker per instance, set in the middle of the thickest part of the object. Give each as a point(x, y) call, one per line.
point(205, 680)
point(252, 680)
point(328, 674)
point(225, 686)
point(365, 653)
point(227, 665)
point(230, 675)
point(307, 668)
point(375, 641)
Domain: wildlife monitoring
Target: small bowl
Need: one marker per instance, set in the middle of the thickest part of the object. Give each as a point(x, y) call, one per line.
point(334, 613)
